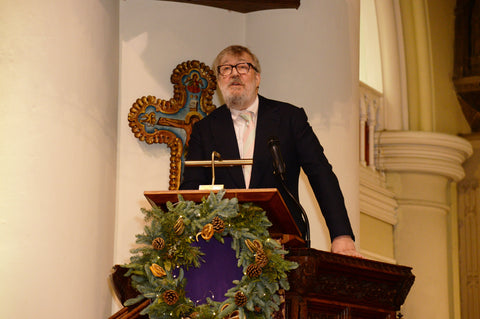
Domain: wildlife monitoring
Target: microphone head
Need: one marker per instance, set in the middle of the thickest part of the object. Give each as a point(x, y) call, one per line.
point(278, 163)
point(272, 140)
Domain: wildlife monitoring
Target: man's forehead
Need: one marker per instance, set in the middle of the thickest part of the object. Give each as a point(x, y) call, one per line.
point(229, 58)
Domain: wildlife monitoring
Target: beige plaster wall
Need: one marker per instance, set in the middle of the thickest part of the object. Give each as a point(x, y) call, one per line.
point(377, 236)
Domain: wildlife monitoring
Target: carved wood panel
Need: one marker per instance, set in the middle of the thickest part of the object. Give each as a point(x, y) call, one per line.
point(171, 121)
point(327, 285)
point(245, 6)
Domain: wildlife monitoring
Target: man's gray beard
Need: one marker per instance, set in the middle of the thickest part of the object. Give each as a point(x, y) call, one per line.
point(235, 101)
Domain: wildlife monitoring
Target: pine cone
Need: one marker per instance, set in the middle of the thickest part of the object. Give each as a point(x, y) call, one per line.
point(158, 243)
point(253, 271)
point(218, 224)
point(170, 297)
point(261, 259)
point(240, 299)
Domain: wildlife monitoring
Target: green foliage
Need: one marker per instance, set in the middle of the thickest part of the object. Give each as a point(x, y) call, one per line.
point(242, 222)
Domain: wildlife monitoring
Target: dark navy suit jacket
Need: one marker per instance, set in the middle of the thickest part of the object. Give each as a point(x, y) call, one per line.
point(299, 147)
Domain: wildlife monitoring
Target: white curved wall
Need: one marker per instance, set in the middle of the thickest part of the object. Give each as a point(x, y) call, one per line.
point(58, 103)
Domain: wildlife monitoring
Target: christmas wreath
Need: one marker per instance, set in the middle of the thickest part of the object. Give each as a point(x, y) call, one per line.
point(157, 266)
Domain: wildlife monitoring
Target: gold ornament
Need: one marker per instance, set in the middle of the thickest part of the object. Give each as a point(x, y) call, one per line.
point(250, 245)
point(233, 315)
point(157, 270)
point(254, 246)
point(207, 232)
point(158, 243)
point(179, 226)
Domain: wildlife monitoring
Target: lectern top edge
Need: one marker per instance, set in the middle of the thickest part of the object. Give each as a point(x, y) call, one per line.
point(267, 198)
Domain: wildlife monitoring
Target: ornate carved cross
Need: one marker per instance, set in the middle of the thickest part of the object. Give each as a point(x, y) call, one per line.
point(160, 121)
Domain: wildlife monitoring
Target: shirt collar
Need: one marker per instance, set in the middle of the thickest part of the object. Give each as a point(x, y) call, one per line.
point(252, 108)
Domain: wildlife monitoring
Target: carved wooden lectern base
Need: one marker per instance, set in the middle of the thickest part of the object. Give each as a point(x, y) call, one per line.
point(325, 286)
point(331, 286)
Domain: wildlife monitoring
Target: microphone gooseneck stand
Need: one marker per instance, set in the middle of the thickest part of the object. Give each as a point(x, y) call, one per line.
point(304, 215)
point(279, 169)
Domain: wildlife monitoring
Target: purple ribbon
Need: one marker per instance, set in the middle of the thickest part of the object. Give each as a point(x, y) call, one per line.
point(214, 277)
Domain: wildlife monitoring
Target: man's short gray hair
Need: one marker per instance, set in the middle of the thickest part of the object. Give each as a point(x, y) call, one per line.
point(236, 50)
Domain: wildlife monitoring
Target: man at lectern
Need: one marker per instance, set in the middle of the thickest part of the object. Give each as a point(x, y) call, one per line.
point(273, 133)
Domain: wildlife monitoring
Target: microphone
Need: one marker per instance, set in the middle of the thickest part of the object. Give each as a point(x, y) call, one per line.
point(280, 170)
point(278, 163)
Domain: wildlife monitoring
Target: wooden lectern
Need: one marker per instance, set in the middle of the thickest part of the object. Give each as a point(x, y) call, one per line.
point(283, 226)
point(325, 285)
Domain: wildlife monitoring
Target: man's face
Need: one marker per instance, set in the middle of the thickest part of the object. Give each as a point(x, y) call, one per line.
point(238, 90)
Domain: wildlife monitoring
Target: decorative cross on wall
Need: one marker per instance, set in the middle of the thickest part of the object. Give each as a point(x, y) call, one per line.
point(159, 121)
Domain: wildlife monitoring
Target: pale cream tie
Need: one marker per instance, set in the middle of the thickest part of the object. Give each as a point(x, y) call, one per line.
point(248, 142)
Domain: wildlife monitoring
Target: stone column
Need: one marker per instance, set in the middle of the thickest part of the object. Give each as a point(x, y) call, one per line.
point(58, 132)
point(420, 167)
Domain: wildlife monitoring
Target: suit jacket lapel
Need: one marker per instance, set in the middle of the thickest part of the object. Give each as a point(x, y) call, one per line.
point(267, 126)
point(226, 144)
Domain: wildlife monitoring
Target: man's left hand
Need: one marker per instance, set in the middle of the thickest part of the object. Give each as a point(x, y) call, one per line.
point(344, 245)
